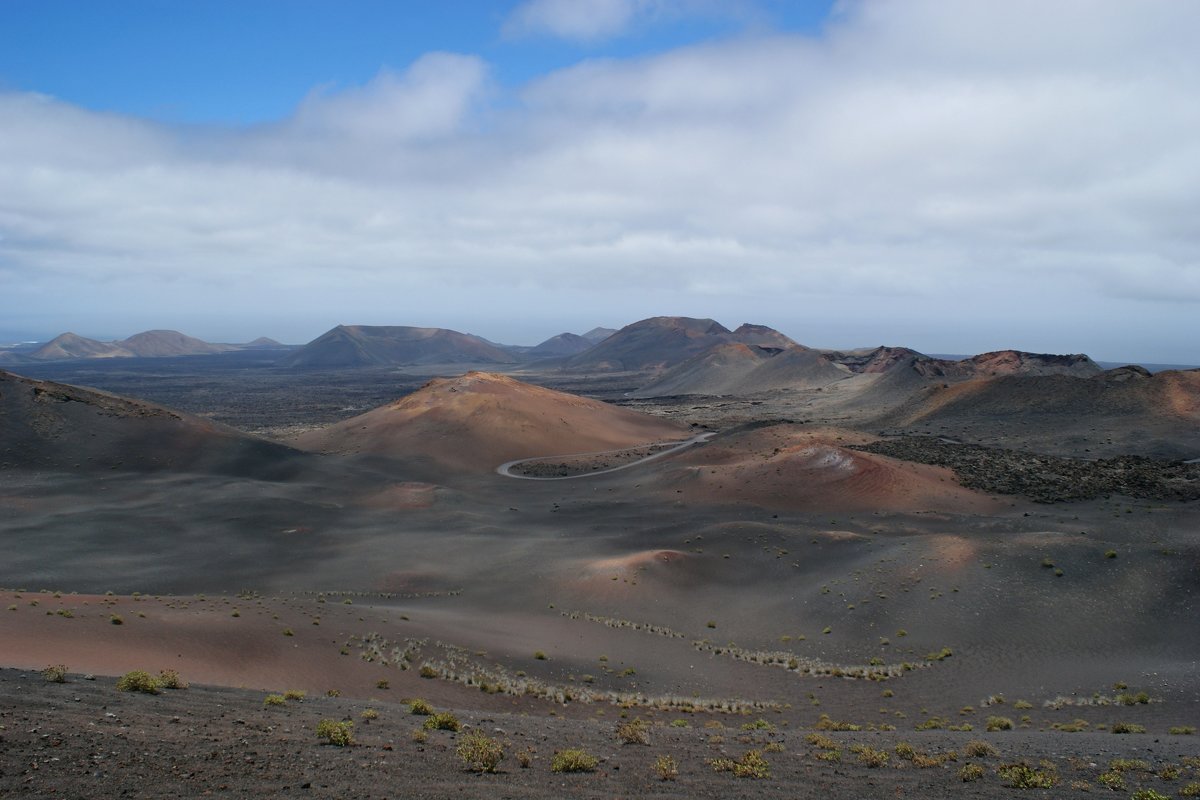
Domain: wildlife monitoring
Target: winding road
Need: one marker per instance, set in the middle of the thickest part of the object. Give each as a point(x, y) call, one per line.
point(505, 469)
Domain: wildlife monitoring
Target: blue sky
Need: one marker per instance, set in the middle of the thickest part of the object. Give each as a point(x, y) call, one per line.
point(951, 176)
point(252, 61)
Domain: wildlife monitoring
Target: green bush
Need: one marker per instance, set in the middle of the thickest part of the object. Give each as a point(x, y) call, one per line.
point(138, 681)
point(750, 764)
point(274, 700)
point(480, 752)
point(999, 724)
point(420, 707)
point(445, 721)
point(1127, 727)
point(573, 760)
point(335, 732)
point(977, 748)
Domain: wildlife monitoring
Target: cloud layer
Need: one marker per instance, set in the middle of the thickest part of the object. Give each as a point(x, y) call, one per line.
point(1028, 166)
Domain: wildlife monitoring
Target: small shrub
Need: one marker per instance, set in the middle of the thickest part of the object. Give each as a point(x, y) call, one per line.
point(750, 764)
point(759, 724)
point(138, 681)
point(906, 751)
point(427, 671)
point(999, 724)
point(369, 714)
point(832, 756)
point(445, 721)
point(977, 748)
point(295, 694)
point(1110, 553)
point(823, 742)
point(666, 768)
point(1182, 730)
point(1128, 727)
point(1148, 794)
point(335, 732)
point(1113, 780)
point(573, 760)
point(420, 707)
point(970, 772)
point(539, 655)
point(116, 619)
point(55, 673)
point(1191, 790)
point(870, 757)
point(480, 752)
point(1023, 776)
point(333, 692)
point(635, 731)
point(273, 700)
point(288, 632)
point(170, 679)
point(420, 736)
point(382, 684)
point(1129, 765)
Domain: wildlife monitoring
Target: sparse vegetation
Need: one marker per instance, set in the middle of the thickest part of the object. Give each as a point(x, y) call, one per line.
point(999, 724)
point(420, 707)
point(442, 721)
point(55, 673)
point(1024, 776)
point(750, 764)
point(635, 731)
point(1127, 727)
point(970, 772)
point(666, 768)
point(369, 714)
point(1182, 730)
point(274, 700)
point(480, 752)
point(138, 681)
point(335, 732)
point(573, 760)
point(170, 679)
point(295, 694)
point(977, 748)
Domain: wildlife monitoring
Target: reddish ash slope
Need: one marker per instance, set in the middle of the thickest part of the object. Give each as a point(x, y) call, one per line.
point(479, 420)
point(792, 467)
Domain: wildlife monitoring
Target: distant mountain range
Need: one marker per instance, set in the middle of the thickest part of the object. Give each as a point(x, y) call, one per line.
point(148, 344)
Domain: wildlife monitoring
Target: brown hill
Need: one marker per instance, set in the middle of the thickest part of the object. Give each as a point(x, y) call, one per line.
point(746, 369)
point(45, 425)
point(71, 345)
point(789, 466)
point(479, 420)
point(662, 342)
point(384, 345)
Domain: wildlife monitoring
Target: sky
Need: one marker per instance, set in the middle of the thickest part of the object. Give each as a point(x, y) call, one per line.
point(955, 176)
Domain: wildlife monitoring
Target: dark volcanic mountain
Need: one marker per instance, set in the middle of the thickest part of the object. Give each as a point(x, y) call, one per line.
point(746, 369)
point(565, 344)
point(54, 426)
point(380, 345)
point(71, 345)
point(160, 344)
point(598, 335)
point(148, 344)
point(662, 342)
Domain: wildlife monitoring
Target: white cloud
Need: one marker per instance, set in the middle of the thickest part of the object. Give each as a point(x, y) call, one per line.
point(576, 20)
point(994, 156)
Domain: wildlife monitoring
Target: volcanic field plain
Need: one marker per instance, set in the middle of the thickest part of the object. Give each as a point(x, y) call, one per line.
point(870, 578)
